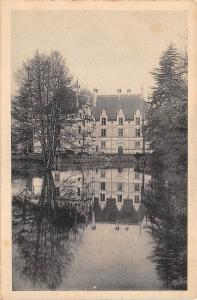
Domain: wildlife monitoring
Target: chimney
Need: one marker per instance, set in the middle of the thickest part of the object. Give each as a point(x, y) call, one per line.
point(128, 92)
point(119, 92)
point(95, 91)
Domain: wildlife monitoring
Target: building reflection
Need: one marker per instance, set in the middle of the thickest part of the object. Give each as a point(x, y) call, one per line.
point(110, 194)
point(50, 214)
point(120, 187)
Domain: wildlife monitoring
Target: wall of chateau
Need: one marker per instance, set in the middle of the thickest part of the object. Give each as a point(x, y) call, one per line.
point(113, 140)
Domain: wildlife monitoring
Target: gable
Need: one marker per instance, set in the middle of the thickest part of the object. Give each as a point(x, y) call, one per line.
point(112, 105)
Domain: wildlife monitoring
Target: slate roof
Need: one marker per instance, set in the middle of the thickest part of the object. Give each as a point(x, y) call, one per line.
point(112, 104)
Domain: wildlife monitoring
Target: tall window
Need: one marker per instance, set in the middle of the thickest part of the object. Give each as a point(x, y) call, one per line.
point(103, 121)
point(102, 186)
point(120, 121)
point(120, 187)
point(120, 132)
point(137, 187)
point(137, 175)
point(137, 132)
point(137, 145)
point(103, 145)
point(78, 191)
point(136, 199)
point(79, 129)
point(119, 198)
point(102, 173)
point(137, 120)
point(102, 197)
point(103, 132)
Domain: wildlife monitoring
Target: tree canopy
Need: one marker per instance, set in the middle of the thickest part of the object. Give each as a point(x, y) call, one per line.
point(45, 98)
point(166, 128)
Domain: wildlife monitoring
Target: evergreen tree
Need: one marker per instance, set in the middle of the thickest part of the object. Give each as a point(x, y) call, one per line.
point(167, 117)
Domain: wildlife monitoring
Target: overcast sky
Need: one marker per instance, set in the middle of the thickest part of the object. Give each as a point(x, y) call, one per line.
point(107, 50)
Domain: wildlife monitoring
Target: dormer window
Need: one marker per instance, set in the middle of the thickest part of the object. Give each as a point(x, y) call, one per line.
point(120, 121)
point(103, 121)
point(137, 120)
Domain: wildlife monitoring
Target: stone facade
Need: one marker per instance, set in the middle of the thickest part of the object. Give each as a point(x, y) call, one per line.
point(118, 124)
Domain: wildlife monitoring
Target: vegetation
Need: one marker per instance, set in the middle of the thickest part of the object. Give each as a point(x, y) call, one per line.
point(166, 196)
point(45, 106)
point(166, 130)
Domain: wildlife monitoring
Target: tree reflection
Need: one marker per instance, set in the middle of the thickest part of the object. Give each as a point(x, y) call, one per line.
point(44, 234)
point(165, 199)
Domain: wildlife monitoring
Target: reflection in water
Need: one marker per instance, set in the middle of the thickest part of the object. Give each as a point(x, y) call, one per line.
point(166, 202)
point(45, 232)
point(61, 222)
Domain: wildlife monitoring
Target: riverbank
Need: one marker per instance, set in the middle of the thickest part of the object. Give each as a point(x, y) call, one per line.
point(35, 164)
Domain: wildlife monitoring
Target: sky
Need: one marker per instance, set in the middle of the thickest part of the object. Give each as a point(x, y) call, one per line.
point(107, 50)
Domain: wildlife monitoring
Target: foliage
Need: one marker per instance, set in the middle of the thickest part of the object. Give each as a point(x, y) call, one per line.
point(166, 196)
point(44, 99)
point(166, 129)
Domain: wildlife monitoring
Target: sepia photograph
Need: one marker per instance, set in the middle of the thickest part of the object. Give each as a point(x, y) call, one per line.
point(99, 150)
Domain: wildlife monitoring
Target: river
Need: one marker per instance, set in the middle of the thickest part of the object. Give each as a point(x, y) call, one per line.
point(82, 229)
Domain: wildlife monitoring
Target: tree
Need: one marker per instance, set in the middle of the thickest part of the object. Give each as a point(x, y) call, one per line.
point(167, 117)
point(166, 197)
point(44, 103)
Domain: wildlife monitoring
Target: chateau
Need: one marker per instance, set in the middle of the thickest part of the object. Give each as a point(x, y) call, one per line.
point(118, 123)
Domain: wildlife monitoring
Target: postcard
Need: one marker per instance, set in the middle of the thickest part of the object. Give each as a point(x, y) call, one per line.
point(98, 139)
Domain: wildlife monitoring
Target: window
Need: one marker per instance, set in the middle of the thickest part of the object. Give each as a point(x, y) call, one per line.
point(103, 186)
point(103, 121)
point(79, 129)
point(120, 132)
point(137, 132)
point(137, 145)
point(120, 121)
point(103, 132)
point(78, 192)
point(119, 198)
point(136, 199)
point(137, 120)
point(102, 197)
point(102, 173)
point(120, 187)
point(103, 145)
point(137, 187)
point(79, 178)
point(137, 175)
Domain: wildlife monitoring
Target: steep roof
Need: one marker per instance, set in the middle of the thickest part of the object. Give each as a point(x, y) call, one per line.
point(112, 104)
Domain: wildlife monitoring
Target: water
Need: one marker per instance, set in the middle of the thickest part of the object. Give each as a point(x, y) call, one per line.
point(82, 229)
